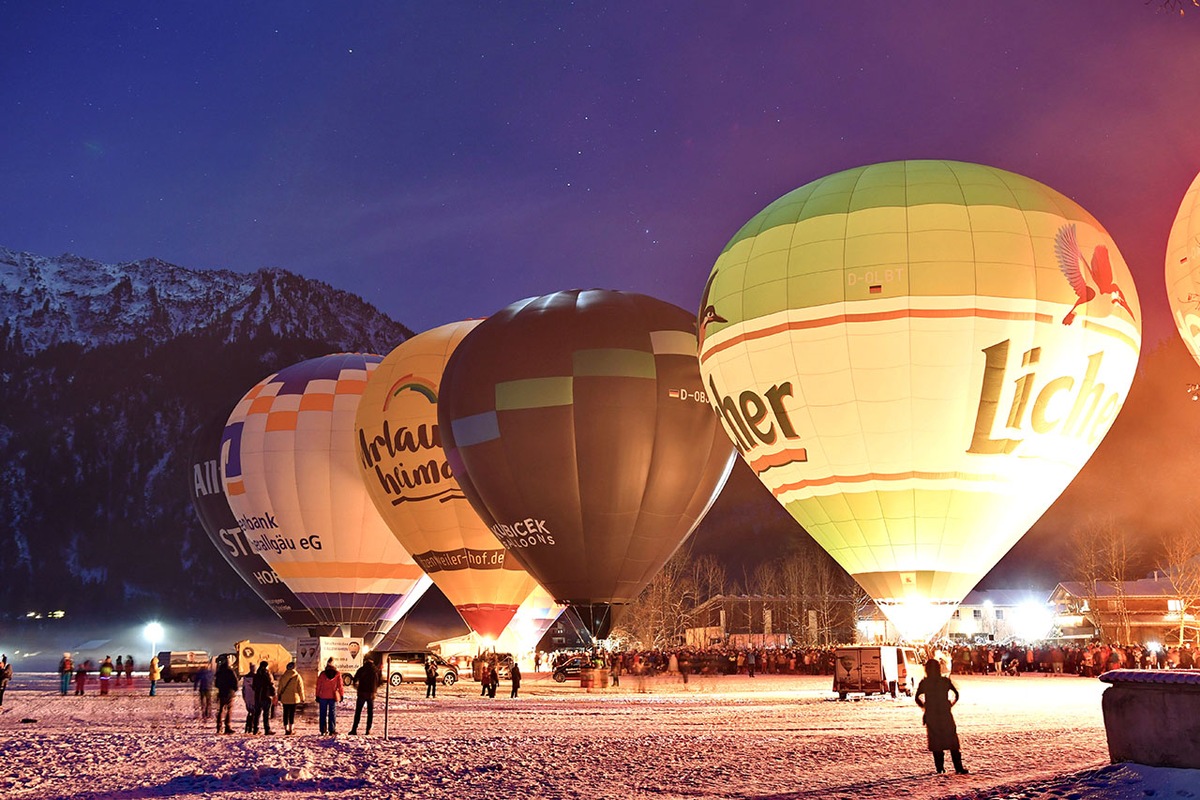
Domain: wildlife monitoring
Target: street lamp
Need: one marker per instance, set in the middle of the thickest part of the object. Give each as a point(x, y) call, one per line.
point(154, 632)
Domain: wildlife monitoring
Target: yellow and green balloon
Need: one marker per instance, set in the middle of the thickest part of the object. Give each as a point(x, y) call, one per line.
point(916, 358)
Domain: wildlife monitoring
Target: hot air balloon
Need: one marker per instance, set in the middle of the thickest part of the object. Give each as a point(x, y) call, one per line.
point(406, 475)
point(1183, 269)
point(576, 426)
point(289, 463)
point(212, 508)
point(533, 618)
point(916, 358)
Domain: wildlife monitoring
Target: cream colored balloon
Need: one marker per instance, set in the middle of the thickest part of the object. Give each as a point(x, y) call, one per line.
point(405, 471)
point(1183, 269)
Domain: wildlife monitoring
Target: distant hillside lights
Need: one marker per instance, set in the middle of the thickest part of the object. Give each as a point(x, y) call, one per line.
point(45, 615)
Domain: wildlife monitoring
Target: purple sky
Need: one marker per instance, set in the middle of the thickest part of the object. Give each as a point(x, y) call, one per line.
point(443, 160)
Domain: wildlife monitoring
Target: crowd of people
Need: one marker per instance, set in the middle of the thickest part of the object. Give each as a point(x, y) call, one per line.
point(263, 693)
point(1085, 660)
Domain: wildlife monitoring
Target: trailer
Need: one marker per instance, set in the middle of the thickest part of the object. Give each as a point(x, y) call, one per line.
point(247, 655)
point(314, 652)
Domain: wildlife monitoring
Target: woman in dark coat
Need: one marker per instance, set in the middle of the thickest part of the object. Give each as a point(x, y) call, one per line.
point(933, 695)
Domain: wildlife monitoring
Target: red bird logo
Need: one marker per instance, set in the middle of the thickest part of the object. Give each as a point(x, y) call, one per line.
point(1066, 248)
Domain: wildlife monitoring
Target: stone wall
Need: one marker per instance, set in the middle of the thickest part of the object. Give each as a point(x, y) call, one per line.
point(1152, 717)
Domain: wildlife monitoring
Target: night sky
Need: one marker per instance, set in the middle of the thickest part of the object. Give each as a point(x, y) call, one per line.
point(444, 160)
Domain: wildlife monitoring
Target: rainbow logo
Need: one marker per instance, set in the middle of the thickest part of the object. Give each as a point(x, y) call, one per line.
point(410, 382)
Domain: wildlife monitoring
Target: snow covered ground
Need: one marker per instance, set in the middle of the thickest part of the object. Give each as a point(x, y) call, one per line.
point(1028, 738)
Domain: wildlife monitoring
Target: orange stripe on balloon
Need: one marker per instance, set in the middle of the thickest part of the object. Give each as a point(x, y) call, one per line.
point(877, 476)
point(235, 488)
point(316, 402)
point(875, 316)
point(261, 405)
point(346, 569)
point(281, 421)
point(348, 386)
point(780, 459)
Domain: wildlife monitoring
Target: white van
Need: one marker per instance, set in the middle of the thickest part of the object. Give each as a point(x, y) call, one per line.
point(875, 669)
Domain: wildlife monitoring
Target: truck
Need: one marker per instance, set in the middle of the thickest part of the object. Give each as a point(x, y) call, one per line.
point(181, 665)
point(314, 652)
point(875, 669)
point(247, 655)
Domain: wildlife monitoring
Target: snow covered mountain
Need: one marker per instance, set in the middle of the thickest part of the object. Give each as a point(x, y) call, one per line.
point(68, 299)
point(106, 371)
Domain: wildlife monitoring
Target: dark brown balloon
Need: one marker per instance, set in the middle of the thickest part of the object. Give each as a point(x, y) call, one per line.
point(578, 428)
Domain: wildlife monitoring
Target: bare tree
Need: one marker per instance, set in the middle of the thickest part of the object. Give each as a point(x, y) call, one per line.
point(1101, 559)
point(1179, 560)
point(1175, 6)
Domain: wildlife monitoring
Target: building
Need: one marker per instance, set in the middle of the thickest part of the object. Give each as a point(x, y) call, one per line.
point(984, 615)
point(1146, 611)
point(767, 621)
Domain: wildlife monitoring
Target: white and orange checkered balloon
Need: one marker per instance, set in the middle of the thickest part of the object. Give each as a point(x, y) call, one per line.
point(289, 466)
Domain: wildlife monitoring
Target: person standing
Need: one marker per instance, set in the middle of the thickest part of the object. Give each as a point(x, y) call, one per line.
point(5, 675)
point(248, 699)
point(264, 696)
point(129, 670)
point(118, 670)
point(227, 684)
point(154, 673)
point(291, 693)
point(933, 695)
point(431, 678)
point(81, 677)
point(106, 671)
point(366, 682)
point(494, 680)
point(204, 680)
point(329, 692)
point(751, 662)
point(515, 676)
point(66, 668)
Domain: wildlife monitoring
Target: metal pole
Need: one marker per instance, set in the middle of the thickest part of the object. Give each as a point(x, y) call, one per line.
point(387, 692)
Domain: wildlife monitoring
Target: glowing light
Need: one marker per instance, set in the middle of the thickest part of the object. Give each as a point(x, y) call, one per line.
point(154, 634)
point(1032, 621)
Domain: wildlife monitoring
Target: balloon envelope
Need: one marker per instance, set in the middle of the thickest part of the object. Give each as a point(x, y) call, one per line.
point(916, 358)
point(576, 425)
point(406, 474)
point(212, 508)
point(289, 465)
point(1183, 269)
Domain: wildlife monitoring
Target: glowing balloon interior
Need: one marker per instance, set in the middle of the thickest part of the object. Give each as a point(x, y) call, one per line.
point(289, 465)
point(576, 426)
point(1183, 269)
point(916, 358)
point(406, 474)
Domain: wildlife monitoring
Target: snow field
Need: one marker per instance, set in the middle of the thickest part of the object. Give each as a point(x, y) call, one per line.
point(1028, 738)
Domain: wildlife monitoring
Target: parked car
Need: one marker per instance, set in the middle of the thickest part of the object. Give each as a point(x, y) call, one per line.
point(408, 666)
point(571, 668)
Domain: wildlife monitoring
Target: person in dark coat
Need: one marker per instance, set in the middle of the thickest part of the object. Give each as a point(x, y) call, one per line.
point(431, 678)
point(264, 696)
point(515, 674)
point(933, 695)
point(227, 685)
point(366, 682)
